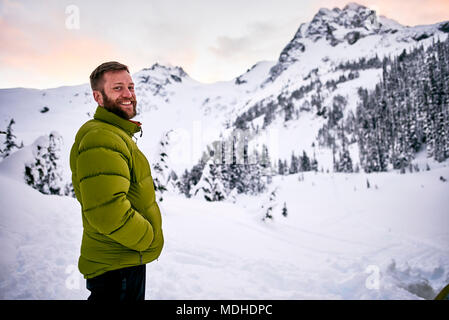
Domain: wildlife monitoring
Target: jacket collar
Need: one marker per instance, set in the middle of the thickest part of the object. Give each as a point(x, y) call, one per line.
point(129, 126)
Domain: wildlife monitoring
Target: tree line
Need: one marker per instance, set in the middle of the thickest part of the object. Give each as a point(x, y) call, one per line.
point(408, 111)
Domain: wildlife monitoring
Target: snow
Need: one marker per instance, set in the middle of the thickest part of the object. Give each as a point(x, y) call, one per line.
point(40, 240)
point(168, 99)
point(340, 240)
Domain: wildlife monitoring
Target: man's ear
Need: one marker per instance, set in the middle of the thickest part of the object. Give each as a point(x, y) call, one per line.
point(98, 97)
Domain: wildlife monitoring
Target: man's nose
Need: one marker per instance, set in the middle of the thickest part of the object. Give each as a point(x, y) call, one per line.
point(126, 93)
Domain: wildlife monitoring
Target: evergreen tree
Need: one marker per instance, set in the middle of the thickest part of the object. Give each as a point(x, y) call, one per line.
point(210, 186)
point(269, 205)
point(280, 167)
point(256, 183)
point(44, 173)
point(344, 164)
point(288, 111)
point(265, 166)
point(314, 164)
point(235, 173)
point(265, 160)
point(294, 164)
point(286, 169)
point(284, 210)
point(10, 143)
point(305, 162)
point(160, 168)
point(174, 183)
point(269, 114)
point(185, 184)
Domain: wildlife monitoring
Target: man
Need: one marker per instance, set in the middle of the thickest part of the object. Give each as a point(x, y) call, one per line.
point(122, 227)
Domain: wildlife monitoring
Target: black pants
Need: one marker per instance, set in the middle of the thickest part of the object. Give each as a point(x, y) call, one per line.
point(127, 284)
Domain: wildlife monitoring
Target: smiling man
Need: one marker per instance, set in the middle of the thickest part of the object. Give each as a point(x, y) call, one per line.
point(122, 227)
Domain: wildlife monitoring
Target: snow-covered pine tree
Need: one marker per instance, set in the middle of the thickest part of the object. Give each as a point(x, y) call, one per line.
point(255, 179)
point(344, 163)
point(246, 170)
point(45, 173)
point(314, 164)
point(265, 160)
point(191, 178)
point(269, 205)
point(304, 162)
point(442, 108)
point(174, 183)
point(265, 164)
point(185, 185)
point(280, 167)
point(160, 170)
point(210, 186)
point(284, 210)
point(10, 143)
point(269, 114)
point(294, 164)
point(408, 110)
point(235, 175)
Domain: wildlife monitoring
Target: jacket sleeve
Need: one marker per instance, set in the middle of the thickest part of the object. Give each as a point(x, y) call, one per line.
point(104, 175)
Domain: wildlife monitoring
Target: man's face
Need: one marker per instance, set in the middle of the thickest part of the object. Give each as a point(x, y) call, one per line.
point(118, 94)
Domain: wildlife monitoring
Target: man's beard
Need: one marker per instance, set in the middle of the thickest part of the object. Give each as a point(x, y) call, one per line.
point(114, 106)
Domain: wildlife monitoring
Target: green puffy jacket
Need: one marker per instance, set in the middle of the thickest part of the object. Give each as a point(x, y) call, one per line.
point(112, 181)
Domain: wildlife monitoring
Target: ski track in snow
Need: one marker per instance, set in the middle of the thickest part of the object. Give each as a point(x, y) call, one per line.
point(337, 237)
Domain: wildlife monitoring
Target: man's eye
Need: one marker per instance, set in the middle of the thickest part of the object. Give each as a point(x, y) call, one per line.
point(131, 88)
point(117, 88)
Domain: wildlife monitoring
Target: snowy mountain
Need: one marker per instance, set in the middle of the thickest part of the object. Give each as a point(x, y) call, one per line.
point(168, 99)
point(352, 32)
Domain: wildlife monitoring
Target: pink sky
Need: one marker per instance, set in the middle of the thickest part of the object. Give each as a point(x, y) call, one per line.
point(211, 39)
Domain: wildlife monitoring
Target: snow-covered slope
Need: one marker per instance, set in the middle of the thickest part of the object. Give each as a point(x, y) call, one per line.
point(168, 99)
point(388, 241)
point(316, 56)
point(349, 34)
point(340, 239)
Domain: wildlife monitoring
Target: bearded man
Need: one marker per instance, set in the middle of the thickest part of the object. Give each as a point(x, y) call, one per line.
point(122, 226)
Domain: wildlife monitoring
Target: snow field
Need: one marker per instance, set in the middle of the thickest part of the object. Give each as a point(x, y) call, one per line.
point(340, 240)
point(328, 247)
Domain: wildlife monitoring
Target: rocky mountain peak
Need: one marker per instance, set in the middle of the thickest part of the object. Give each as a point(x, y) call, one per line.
point(338, 25)
point(158, 79)
point(161, 73)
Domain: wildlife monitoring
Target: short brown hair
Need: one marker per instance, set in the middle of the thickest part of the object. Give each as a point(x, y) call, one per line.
point(96, 77)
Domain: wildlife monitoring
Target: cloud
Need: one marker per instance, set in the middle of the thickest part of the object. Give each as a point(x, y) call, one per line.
point(39, 53)
point(255, 41)
point(66, 58)
point(228, 47)
point(13, 39)
point(7, 7)
point(211, 40)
